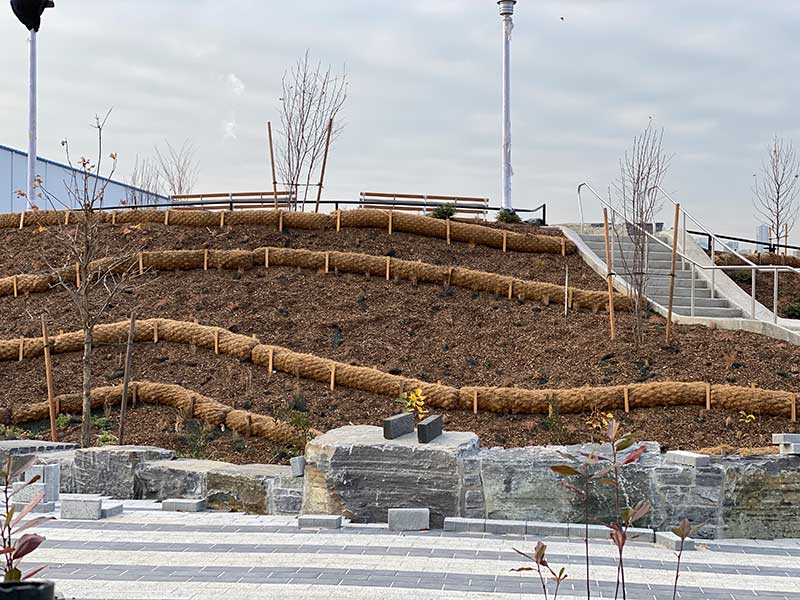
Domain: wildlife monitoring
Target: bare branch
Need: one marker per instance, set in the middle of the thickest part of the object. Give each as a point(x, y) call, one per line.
point(775, 191)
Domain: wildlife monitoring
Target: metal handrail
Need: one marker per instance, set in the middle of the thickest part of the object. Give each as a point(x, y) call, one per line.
point(713, 268)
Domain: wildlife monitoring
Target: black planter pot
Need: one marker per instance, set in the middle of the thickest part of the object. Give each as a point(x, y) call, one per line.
point(33, 590)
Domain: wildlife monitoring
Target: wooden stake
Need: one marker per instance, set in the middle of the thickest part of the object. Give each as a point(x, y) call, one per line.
point(266, 259)
point(475, 402)
point(708, 396)
point(166, 217)
point(66, 217)
point(113, 217)
point(14, 282)
point(21, 349)
point(794, 408)
point(571, 297)
point(333, 376)
point(126, 378)
point(141, 264)
point(22, 219)
point(249, 425)
point(391, 216)
point(388, 267)
point(324, 164)
point(511, 290)
point(48, 370)
point(155, 333)
point(216, 342)
point(563, 247)
point(271, 360)
point(272, 161)
point(505, 241)
point(222, 219)
point(134, 395)
point(610, 275)
point(192, 406)
point(627, 400)
point(338, 220)
point(77, 275)
point(449, 276)
point(327, 262)
point(448, 232)
point(205, 260)
point(280, 221)
point(672, 271)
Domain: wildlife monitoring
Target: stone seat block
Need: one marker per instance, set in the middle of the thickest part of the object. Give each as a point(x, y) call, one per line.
point(319, 522)
point(409, 519)
point(672, 541)
point(86, 507)
point(188, 505)
point(692, 459)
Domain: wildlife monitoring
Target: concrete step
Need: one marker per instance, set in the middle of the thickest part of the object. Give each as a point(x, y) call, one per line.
point(680, 292)
point(663, 300)
point(653, 250)
point(680, 281)
point(717, 313)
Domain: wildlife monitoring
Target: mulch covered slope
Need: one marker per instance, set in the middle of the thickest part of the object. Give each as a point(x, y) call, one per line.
point(428, 332)
point(788, 282)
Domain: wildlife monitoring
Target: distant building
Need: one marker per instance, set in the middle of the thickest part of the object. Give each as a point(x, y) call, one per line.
point(14, 176)
point(733, 245)
point(762, 235)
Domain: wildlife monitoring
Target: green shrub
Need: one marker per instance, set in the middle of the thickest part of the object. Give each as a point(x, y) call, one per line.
point(62, 421)
point(793, 310)
point(106, 438)
point(102, 423)
point(508, 216)
point(9, 432)
point(740, 277)
point(445, 211)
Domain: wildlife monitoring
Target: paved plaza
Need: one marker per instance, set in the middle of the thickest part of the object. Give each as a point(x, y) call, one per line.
point(148, 554)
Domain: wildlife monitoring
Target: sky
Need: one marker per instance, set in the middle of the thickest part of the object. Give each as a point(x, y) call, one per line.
point(423, 113)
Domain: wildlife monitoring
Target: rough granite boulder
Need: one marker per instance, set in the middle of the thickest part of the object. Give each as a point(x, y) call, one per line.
point(182, 478)
point(355, 472)
point(66, 459)
point(259, 489)
point(111, 470)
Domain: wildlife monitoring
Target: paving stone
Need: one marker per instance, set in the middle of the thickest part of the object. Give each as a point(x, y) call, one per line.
point(672, 541)
point(596, 532)
point(409, 519)
point(319, 522)
point(462, 525)
point(641, 534)
point(429, 429)
point(81, 507)
point(786, 438)
point(42, 507)
point(692, 459)
point(298, 464)
point(398, 426)
point(506, 527)
point(790, 449)
point(110, 509)
point(188, 505)
point(544, 529)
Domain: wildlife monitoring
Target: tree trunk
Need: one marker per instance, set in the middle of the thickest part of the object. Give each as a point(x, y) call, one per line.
point(86, 416)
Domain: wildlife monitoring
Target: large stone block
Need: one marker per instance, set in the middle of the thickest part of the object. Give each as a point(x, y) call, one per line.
point(356, 472)
point(49, 476)
point(111, 470)
point(82, 507)
point(182, 478)
point(65, 459)
point(248, 488)
point(409, 519)
point(692, 459)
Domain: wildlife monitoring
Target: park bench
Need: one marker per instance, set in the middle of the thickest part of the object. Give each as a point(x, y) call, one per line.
point(423, 202)
point(232, 201)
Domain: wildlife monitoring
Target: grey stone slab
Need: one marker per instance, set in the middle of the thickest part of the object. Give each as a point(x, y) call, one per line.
point(503, 527)
point(790, 449)
point(596, 532)
point(691, 459)
point(188, 505)
point(786, 438)
point(398, 426)
point(544, 529)
point(409, 519)
point(672, 541)
point(110, 509)
point(111, 470)
point(298, 464)
point(50, 476)
point(41, 508)
point(461, 524)
point(429, 429)
point(319, 522)
point(182, 478)
point(641, 534)
point(81, 507)
point(24, 493)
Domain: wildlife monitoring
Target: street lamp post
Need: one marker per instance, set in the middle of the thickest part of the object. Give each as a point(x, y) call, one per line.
point(29, 12)
point(507, 13)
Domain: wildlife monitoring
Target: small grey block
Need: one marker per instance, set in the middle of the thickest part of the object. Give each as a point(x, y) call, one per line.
point(42, 507)
point(790, 449)
point(25, 493)
point(547, 529)
point(398, 426)
point(641, 534)
point(786, 438)
point(691, 459)
point(465, 525)
point(298, 464)
point(596, 532)
point(50, 476)
point(430, 429)
point(110, 509)
point(319, 522)
point(81, 507)
point(188, 505)
point(672, 541)
point(409, 519)
point(504, 527)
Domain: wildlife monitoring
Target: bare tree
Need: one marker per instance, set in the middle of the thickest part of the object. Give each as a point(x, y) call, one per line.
point(178, 168)
point(642, 168)
point(312, 98)
point(145, 183)
point(775, 192)
point(91, 274)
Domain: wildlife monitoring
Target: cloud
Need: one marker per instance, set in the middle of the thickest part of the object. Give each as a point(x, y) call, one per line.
point(229, 129)
point(236, 85)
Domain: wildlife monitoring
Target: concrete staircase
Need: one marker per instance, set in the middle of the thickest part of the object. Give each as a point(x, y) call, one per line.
point(658, 268)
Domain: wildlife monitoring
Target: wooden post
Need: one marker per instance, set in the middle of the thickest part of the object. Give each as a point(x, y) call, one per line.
point(563, 247)
point(113, 217)
point(511, 290)
point(166, 217)
point(388, 267)
point(627, 393)
point(475, 402)
point(77, 275)
point(22, 219)
point(280, 221)
point(249, 424)
point(610, 275)
point(505, 242)
point(155, 332)
point(333, 376)
point(566, 292)
point(134, 395)
point(338, 220)
point(449, 276)
point(708, 396)
point(192, 406)
point(324, 164)
point(66, 218)
point(222, 219)
point(271, 360)
point(14, 282)
point(794, 408)
point(126, 378)
point(205, 260)
point(672, 270)
point(390, 221)
point(48, 370)
point(216, 342)
point(327, 262)
point(141, 264)
point(448, 232)
point(21, 349)
point(272, 161)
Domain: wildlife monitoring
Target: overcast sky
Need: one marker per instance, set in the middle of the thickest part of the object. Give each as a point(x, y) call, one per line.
point(721, 76)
